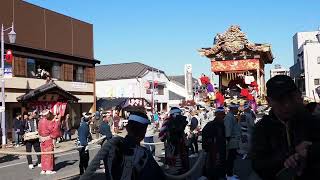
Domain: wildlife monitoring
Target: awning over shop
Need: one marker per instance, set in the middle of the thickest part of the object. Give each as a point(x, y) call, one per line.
point(49, 92)
point(122, 103)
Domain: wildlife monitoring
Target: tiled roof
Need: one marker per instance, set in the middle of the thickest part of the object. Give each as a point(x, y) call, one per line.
point(122, 71)
point(180, 80)
point(44, 89)
point(175, 96)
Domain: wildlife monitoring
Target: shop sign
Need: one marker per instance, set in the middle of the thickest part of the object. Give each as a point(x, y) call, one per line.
point(79, 85)
point(7, 72)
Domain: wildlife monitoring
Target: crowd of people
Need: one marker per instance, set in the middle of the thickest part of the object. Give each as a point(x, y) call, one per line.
point(283, 144)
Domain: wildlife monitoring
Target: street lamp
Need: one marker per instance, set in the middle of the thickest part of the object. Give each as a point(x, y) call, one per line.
point(12, 39)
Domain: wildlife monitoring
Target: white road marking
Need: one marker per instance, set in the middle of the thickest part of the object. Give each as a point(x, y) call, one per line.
point(64, 154)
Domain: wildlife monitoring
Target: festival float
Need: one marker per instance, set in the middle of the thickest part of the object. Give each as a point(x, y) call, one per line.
point(238, 63)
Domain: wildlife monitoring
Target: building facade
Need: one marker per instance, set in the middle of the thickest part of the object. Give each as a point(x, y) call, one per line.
point(48, 44)
point(133, 80)
point(177, 90)
point(279, 70)
point(305, 71)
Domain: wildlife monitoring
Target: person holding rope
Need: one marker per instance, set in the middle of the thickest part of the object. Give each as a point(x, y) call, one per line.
point(286, 143)
point(232, 129)
point(105, 129)
point(173, 135)
point(132, 161)
point(31, 137)
point(84, 138)
point(49, 129)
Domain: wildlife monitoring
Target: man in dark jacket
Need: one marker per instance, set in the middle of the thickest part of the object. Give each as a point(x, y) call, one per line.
point(288, 137)
point(214, 144)
point(105, 129)
point(84, 137)
point(18, 129)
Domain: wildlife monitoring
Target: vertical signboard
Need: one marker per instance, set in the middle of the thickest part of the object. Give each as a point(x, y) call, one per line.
point(188, 80)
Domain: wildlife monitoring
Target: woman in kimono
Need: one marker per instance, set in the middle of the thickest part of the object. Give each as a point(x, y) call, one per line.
point(49, 129)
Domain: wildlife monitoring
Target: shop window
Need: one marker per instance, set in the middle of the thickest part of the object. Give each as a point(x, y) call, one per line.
point(160, 89)
point(78, 74)
point(31, 68)
point(43, 69)
point(316, 81)
point(89, 75)
point(68, 72)
point(56, 70)
point(19, 67)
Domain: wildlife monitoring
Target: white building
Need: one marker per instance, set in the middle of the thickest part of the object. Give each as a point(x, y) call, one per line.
point(178, 91)
point(132, 80)
point(306, 68)
point(279, 70)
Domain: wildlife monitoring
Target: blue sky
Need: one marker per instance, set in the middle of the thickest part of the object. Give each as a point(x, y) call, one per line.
point(167, 33)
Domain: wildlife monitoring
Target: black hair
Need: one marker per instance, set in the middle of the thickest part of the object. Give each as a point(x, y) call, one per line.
point(135, 128)
point(311, 106)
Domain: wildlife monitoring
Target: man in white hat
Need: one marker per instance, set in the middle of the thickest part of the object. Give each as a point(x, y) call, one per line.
point(131, 160)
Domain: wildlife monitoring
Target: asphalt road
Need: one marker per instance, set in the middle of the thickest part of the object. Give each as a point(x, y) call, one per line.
point(16, 168)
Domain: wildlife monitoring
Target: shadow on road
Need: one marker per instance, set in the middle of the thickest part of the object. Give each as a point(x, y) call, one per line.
point(8, 158)
point(96, 176)
point(63, 164)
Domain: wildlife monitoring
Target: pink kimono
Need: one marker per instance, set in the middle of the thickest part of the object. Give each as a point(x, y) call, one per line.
point(51, 130)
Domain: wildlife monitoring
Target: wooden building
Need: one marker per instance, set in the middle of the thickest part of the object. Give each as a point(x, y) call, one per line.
point(55, 43)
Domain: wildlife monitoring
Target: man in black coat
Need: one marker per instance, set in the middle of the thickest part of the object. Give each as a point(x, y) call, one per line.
point(214, 144)
point(18, 129)
point(288, 137)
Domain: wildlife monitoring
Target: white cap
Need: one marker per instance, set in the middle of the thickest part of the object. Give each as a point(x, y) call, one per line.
point(138, 119)
point(86, 115)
